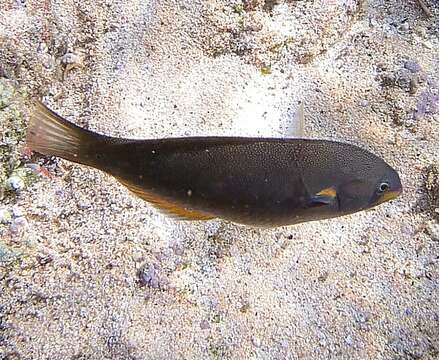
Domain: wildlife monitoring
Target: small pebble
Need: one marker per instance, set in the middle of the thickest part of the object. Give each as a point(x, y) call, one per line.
point(177, 248)
point(5, 216)
point(71, 61)
point(83, 205)
point(404, 26)
point(15, 183)
point(148, 276)
point(433, 230)
point(364, 103)
point(408, 312)
point(204, 325)
point(412, 66)
point(71, 58)
point(42, 48)
point(323, 277)
point(17, 211)
point(44, 259)
point(406, 229)
point(414, 85)
point(256, 341)
point(47, 61)
point(362, 240)
point(111, 231)
point(18, 224)
point(138, 257)
point(361, 317)
point(428, 44)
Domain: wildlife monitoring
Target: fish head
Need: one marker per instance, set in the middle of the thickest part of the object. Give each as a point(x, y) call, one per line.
point(366, 189)
point(342, 178)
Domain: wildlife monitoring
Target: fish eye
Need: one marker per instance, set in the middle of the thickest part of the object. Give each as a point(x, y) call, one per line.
point(384, 186)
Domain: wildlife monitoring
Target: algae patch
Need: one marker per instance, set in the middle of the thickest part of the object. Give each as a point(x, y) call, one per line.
point(7, 255)
point(13, 176)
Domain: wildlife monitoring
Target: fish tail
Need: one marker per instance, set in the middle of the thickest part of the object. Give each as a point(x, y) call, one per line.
point(50, 134)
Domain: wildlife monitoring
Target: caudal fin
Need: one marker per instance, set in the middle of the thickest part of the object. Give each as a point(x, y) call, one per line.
point(50, 134)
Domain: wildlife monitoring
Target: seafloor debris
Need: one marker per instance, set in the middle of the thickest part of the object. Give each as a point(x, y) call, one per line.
point(148, 275)
point(71, 60)
point(5, 216)
point(425, 8)
point(12, 133)
point(432, 187)
point(432, 228)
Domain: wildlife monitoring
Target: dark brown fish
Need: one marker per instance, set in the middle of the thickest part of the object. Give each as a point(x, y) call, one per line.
point(256, 181)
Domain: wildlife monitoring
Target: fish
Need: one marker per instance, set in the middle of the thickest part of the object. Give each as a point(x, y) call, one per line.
point(261, 182)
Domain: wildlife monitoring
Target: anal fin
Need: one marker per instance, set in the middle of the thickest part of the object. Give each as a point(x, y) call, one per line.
point(165, 205)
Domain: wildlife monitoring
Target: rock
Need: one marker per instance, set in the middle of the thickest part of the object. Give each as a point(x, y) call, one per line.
point(15, 183)
point(403, 79)
point(17, 211)
point(245, 307)
point(323, 277)
point(361, 319)
point(177, 248)
point(19, 178)
point(6, 95)
point(428, 100)
point(138, 256)
point(83, 205)
point(387, 80)
point(149, 276)
point(42, 48)
point(362, 240)
point(408, 312)
point(204, 325)
point(71, 61)
point(71, 58)
point(18, 225)
point(44, 259)
point(432, 228)
point(5, 216)
point(404, 27)
point(256, 341)
point(6, 254)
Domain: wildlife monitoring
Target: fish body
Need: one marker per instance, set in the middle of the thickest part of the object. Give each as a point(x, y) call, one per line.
point(256, 181)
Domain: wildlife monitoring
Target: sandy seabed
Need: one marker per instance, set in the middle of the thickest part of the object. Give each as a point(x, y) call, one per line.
point(89, 272)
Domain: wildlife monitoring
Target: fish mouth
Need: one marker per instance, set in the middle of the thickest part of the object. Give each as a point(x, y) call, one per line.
point(389, 195)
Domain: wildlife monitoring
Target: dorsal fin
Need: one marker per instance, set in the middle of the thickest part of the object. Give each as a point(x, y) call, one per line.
point(165, 205)
point(296, 127)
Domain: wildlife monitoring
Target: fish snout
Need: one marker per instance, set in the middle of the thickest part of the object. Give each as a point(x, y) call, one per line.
point(395, 190)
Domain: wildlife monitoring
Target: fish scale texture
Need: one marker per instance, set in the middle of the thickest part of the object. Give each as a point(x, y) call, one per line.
point(90, 272)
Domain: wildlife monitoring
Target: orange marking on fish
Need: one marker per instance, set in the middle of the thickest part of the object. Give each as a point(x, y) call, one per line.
point(330, 192)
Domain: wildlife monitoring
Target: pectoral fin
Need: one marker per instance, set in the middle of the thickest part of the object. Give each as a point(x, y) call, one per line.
point(324, 197)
